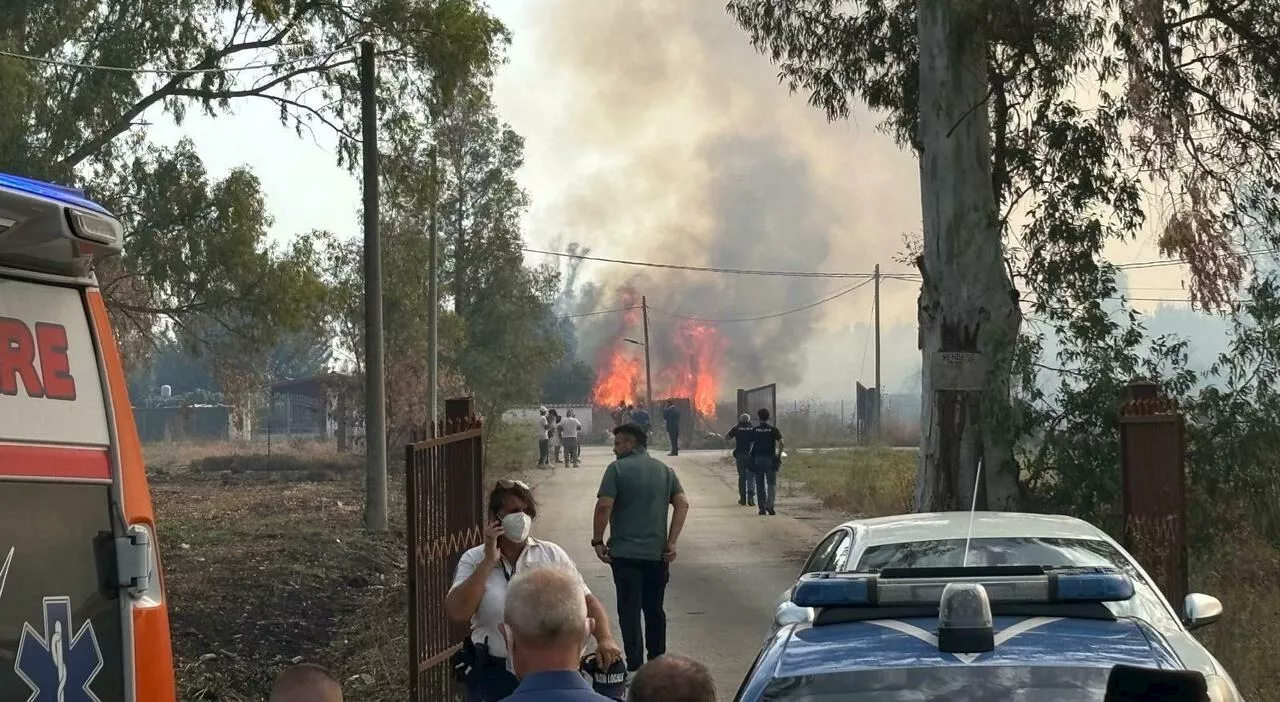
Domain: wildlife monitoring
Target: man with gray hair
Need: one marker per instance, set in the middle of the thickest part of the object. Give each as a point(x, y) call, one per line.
point(546, 626)
point(671, 678)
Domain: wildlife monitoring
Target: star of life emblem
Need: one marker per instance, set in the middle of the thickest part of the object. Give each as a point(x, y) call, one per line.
point(61, 665)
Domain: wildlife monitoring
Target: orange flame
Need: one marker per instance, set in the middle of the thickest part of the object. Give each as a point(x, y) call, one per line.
point(691, 363)
point(695, 369)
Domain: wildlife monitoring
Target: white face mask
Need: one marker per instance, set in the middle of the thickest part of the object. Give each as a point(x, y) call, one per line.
point(517, 526)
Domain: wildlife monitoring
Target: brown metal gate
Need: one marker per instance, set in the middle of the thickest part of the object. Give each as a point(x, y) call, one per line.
point(1154, 486)
point(444, 485)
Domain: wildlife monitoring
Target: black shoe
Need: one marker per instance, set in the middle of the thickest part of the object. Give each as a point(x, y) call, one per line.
point(762, 513)
point(751, 501)
point(742, 501)
point(771, 512)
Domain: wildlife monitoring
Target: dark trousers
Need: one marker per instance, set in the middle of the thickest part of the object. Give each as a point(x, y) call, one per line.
point(746, 478)
point(675, 441)
point(544, 446)
point(642, 587)
point(766, 472)
point(491, 683)
point(571, 449)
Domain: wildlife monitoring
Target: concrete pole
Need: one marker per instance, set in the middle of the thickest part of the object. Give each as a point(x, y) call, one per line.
point(433, 297)
point(375, 512)
point(648, 379)
point(879, 390)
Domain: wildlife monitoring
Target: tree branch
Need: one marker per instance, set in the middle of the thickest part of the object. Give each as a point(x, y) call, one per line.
point(123, 123)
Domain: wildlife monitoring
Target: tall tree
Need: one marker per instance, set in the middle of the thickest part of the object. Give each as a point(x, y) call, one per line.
point(483, 202)
point(196, 245)
point(1182, 120)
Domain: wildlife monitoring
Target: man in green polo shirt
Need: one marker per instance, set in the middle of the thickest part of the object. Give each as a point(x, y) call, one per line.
point(635, 494)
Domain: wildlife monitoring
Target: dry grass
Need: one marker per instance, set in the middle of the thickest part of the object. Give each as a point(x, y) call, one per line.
point(1242, 572)
point(268, 563)
point(865, 481)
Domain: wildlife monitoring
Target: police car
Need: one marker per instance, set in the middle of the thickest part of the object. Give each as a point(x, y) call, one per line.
point(866, 614)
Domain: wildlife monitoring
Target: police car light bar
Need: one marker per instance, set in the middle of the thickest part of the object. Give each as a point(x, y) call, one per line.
point(1020, 586)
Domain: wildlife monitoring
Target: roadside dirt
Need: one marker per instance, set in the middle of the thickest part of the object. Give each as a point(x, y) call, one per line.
point(269, 567)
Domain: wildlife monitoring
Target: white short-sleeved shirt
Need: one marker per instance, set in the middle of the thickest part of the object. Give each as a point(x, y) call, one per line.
point(541, 426)
point(570, 427)
point(484, 623)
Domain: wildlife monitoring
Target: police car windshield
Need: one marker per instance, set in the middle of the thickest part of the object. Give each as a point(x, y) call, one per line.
point(1145, 605)
point(950, 683)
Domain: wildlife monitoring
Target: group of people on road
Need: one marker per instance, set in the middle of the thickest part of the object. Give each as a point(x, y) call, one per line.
point(531, 612)
point(757, 451)
point(555, 433)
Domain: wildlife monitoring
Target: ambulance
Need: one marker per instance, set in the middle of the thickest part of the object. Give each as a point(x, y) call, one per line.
point(83, 615)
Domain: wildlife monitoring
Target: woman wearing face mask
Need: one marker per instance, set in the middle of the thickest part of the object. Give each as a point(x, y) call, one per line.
point(479, 591)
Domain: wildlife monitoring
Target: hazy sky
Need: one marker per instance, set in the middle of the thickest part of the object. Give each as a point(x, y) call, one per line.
point(631, 113)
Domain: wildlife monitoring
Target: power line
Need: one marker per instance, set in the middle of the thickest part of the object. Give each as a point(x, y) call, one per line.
point(589, 314)
point(708, 269)
point(172, 71)
point(774, 315)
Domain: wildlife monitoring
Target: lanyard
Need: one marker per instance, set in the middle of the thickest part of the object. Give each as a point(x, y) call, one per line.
point(505, 573)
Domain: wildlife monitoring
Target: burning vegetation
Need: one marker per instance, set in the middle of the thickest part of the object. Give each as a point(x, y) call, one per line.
point(687, 361)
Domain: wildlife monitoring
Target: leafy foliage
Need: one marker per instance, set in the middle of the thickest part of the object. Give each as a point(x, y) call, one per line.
point(1179, 123)
point(196, 244)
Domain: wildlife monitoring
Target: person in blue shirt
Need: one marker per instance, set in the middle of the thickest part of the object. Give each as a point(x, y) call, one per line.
point(641, 416)
point(671, 416)
point(545, 625)
point(742, 436)
point(766, 459)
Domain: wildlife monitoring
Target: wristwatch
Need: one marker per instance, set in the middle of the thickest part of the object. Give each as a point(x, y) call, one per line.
point(597, 542)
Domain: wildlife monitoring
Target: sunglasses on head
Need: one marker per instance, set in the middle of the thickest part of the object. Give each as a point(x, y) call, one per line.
point(508, 484)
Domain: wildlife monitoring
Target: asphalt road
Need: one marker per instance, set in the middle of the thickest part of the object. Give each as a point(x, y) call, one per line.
point(731, 566)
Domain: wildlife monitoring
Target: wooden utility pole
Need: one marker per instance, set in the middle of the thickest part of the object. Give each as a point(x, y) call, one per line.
point(648, 379)
point(968, 314)
point(433, 296)
point(375, 421)
point(876, 305)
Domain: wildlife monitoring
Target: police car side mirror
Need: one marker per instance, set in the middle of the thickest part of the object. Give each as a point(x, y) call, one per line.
point(1200, 610)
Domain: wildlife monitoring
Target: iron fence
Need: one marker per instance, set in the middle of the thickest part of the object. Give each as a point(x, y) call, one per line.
point(444, 485)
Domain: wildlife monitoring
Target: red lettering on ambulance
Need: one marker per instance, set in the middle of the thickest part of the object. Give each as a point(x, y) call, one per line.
point(18, 359)
point(19, 349)
point(51, 343)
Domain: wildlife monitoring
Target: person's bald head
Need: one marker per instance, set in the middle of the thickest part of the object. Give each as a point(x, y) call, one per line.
point(671, 678)
point(306, 682)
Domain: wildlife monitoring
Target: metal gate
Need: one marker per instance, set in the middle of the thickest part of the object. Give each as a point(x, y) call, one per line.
point(1154, 486)
point(765, 396)
point(444, 485)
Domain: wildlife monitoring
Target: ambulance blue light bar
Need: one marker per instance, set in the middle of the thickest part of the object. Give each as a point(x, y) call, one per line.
point(50, 228)
point(61, 193)
point(1020, 585)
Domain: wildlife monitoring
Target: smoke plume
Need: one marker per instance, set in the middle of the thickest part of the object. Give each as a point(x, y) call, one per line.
point(687, 150)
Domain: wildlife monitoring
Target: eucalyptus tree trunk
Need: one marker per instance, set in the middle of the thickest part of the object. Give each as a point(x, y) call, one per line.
point(968, 312)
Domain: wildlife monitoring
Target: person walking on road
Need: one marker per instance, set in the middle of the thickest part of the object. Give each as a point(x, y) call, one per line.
point(554, 434)
point(544, 624)
point(641, 416)
point(673, 679)
point(543, 425)
point(635, 495)
point(569, 430)
point(766, 450)
point(480, 587)
point(671, 416)
point(743, 434)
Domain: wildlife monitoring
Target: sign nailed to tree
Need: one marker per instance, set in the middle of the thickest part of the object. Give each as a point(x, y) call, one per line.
point(959, 371)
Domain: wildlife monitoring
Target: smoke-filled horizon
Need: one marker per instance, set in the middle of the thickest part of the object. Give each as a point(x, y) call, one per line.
point(689, 151)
